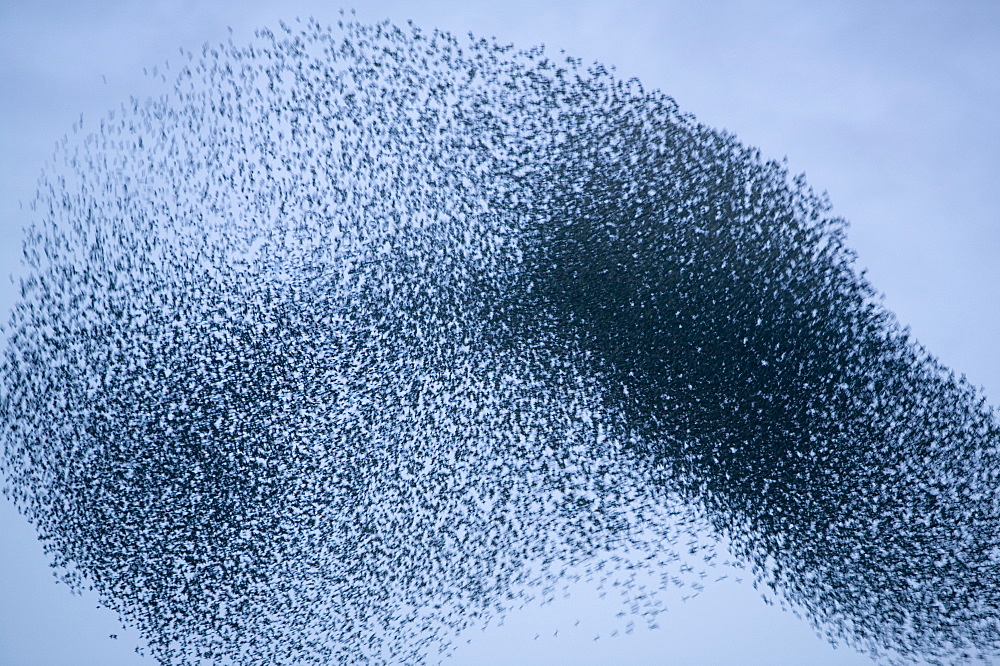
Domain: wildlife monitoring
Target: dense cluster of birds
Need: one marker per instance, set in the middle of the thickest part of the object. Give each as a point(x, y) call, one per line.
point(364, 335)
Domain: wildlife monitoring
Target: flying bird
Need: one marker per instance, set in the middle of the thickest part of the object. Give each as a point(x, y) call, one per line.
point(365, 334)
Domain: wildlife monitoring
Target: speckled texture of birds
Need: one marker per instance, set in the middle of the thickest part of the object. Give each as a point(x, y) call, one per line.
point(363, 335)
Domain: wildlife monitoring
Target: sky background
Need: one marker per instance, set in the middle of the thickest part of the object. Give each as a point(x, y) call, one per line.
point(891, 107)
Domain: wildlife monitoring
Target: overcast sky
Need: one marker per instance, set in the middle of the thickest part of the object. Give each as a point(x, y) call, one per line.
point(889, 106)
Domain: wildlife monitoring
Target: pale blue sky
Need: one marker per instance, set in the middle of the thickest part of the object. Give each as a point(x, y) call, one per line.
point(889, 106)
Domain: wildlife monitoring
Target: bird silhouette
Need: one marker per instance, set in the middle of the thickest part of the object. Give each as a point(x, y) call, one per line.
point(363, 335)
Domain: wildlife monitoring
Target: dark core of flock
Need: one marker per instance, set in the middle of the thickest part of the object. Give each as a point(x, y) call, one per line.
point(361, 337)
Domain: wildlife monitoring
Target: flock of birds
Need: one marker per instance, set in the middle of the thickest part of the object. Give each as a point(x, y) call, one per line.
point(365, 335)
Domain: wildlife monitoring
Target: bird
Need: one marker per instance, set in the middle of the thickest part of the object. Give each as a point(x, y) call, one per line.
point(361, 336)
